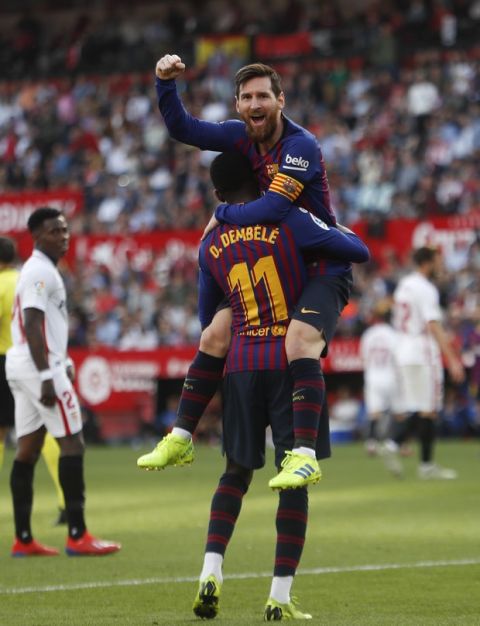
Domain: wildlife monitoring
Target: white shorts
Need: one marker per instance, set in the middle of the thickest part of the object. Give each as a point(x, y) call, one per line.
point(30, 414)
point(383, 397)
point(422, 387)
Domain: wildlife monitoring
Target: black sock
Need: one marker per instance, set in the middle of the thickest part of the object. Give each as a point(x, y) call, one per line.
point(372, 429)
point(308, 397)
point(201, 383)
point(224, 511)
point(402, 429)
point(70, 471)
point(426, 435)
point(21, 485)
point(291, 522)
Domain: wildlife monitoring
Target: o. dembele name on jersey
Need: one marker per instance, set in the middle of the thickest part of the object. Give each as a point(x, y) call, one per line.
point(268, 234)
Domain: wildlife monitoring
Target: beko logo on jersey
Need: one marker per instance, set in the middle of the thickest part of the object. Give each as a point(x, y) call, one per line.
point(296, 163)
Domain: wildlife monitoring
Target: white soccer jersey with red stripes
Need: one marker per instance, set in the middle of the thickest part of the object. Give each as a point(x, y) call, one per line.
point(377, 349)
point(39, 286)
point(416, 302)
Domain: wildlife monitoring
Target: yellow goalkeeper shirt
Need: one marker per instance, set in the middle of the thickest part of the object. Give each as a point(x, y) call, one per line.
point(8, 282)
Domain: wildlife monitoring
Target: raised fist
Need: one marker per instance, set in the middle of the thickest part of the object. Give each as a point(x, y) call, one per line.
point(169, 66)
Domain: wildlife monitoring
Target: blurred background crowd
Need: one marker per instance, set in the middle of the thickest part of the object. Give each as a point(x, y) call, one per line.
point(391, 89)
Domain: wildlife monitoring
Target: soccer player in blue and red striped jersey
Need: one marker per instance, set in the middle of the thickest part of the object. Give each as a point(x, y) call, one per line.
point(260, 269)
point(289, 167)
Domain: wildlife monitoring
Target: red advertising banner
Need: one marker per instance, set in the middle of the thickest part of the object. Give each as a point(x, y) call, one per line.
point(143, 251)
point(139, 251)
point(450, 233)
point(15, 208)
point(398, 235)
point(110, 380)
point(282, 46)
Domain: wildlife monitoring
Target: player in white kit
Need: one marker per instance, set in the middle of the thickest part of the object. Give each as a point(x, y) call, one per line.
point(380, 372)
point(39, 375)
point(421, 343)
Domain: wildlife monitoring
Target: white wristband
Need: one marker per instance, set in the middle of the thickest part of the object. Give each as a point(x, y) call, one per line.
point(46, 375)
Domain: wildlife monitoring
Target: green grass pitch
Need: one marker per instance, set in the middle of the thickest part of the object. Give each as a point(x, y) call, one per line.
point(379, 551)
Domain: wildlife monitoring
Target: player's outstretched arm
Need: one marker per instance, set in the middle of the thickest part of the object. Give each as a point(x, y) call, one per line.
point(269, 209)
point(181, 125)
point(330, 242)
point(170, 66)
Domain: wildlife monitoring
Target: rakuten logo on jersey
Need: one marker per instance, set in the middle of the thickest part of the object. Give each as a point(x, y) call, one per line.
point(296, 163)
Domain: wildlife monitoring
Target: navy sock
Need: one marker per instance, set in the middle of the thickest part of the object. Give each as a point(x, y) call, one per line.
point(201, 383)
point(70, 472)
point(21, 485)
point(426, 435)
point(291, 522)
point(224, 511)
point(403, 429)
point(308, 397)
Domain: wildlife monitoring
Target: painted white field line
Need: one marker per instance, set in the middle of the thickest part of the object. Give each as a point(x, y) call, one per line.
point(189, 579)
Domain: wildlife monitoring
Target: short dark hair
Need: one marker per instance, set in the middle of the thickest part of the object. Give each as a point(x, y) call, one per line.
point(7, 250)
point(425, 254)
point(232, 171)
point(258, 70)
point(41, 214)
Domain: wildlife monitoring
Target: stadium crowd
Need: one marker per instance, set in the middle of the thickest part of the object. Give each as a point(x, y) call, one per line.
point(392, 91)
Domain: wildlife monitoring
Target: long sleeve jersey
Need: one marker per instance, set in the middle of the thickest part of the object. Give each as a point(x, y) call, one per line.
point(291, 173)
point(261, 271)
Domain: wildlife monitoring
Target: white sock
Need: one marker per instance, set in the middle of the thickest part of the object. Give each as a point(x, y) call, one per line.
point(280, 589)
point(181, 432)
point(303, 450)
point(392, 446)
point(212, 564)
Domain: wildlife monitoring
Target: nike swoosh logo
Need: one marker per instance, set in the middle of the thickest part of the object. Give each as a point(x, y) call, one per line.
point(304, 310)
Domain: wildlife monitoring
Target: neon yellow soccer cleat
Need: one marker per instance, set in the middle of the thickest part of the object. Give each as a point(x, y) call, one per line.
point(171, 450)
point(206, 603)
point(275, 612)
point(299, 470)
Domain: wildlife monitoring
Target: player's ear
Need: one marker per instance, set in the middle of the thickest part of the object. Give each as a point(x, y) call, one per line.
point(219, 195)
point(236, 104)
point(281, 99)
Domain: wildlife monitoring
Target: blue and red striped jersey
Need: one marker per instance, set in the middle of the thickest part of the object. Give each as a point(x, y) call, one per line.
point(261, 271)
point(292, 172)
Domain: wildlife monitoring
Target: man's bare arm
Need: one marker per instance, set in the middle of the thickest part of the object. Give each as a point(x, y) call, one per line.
point(454, 364)
point(34, 324)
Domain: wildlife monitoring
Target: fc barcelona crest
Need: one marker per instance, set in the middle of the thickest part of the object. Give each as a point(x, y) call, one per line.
point(289, 186)
point(272, 170)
